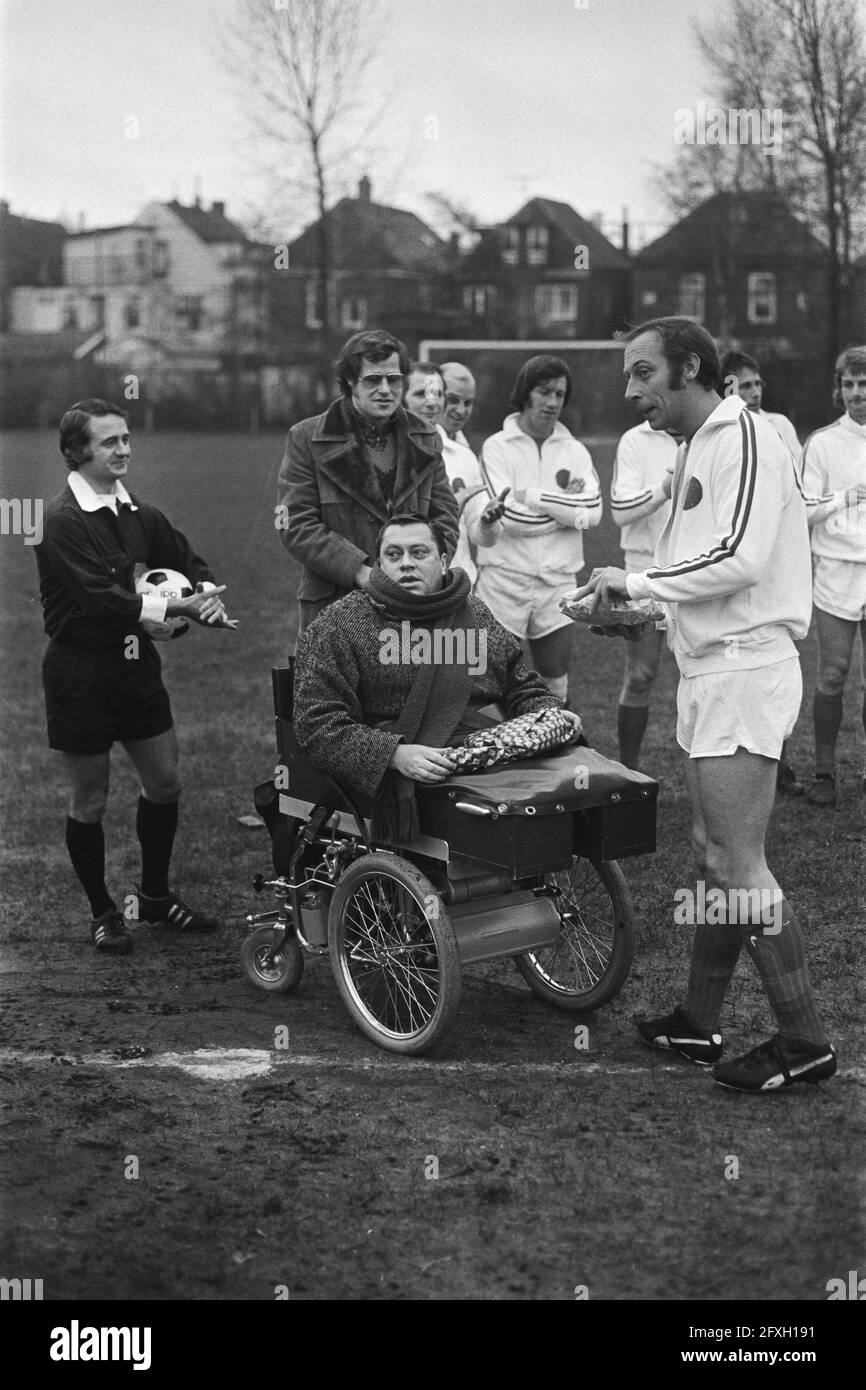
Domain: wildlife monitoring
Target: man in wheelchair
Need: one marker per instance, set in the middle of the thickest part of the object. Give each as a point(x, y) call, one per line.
point(394, 689)
point(390, 680)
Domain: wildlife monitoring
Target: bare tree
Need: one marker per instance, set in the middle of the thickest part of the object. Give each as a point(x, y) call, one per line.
point(448, 216)
point(305, 71)
point(806, 58)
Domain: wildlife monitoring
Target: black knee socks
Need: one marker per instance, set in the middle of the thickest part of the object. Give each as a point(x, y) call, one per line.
point(155, 824)
point(86, 845)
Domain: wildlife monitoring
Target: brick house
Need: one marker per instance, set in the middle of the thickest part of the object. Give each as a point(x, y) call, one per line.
point(748, 270)
point(31, 253)
point(387, 269)
point(545, 273)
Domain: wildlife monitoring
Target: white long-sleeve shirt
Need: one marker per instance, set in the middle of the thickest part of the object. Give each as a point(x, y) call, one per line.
point(834, 460)
point(541, 531)
point(732, 564)
point(464, 475)
point(783, 427)
point(639, 504)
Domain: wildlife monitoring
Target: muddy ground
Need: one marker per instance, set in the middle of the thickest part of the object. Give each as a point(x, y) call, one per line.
point(610, 1169)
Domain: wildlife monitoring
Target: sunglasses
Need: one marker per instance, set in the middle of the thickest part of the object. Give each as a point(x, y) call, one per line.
point(392, 381)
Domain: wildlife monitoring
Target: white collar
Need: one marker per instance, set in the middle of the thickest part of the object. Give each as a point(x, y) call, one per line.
point(848, 424)
point(511, 429)
point(89, 500)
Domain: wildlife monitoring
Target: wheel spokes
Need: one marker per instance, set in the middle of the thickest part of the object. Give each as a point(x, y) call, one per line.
point(393, 973)
point(578, 959)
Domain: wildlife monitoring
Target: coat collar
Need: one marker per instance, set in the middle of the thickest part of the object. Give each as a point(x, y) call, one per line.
point(339, 455)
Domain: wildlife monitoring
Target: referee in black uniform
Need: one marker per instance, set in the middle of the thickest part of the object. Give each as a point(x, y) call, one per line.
point(101, 671)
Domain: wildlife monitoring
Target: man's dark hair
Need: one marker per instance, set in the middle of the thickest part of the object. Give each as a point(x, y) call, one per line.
point(75, 429)
point(734, 362)
point(414, 519)
point(533, 372)
point(376, 346)
point(853, 359)
point(682, 338)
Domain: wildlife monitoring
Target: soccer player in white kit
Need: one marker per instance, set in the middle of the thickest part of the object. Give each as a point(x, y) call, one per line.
point(640, 503)
point(742, 374)
point(427, 396)
point(833, 466)
point(733, 570)
point(532, 550)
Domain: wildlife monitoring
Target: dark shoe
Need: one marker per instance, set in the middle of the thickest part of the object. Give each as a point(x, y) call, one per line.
point(109, 933)
point(677, 1033)
point(787, 782)
point(174, 913)
point(822, 791)
point(776, 1063)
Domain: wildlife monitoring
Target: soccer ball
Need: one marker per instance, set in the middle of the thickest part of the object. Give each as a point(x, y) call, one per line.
point(165, 584)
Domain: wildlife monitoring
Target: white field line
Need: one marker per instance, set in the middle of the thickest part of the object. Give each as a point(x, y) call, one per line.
point(231, 1064)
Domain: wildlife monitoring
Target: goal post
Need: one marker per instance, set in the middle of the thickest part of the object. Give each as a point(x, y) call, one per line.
point(597, 407)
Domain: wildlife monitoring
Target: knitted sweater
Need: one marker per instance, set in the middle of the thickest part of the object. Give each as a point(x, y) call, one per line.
point(354, 669)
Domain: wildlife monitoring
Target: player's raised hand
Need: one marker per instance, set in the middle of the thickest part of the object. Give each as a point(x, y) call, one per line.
point(493, 512)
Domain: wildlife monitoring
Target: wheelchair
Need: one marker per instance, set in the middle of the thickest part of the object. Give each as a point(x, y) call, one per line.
point(519, 860)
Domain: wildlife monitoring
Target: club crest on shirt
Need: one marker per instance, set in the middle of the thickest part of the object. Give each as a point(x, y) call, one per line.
point(694, 493)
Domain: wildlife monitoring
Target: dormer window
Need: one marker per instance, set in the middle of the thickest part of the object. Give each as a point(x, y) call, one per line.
point(536, 245)
point(511, 245)
point(761, 291)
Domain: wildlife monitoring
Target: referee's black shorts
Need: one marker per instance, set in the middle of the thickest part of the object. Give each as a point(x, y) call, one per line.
point(93, 699)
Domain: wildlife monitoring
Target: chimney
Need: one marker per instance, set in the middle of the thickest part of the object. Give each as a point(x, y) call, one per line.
point(4, 207)
point(365, 188)
point(625, 230)
point(219, 208)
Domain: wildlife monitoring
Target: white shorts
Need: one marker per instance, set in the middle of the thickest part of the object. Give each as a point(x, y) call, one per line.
point(726, 710)
point(523, 603)
point(839, 588)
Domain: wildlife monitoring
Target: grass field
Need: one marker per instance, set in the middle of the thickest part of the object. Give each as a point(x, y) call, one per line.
point(220, 490)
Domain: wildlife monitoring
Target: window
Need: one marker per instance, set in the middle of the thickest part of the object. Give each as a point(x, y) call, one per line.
point(354, 312)
point(141, 253)
point(648, 299)
point(691, 296)
point(556, 303)
point(132, 313)
point(477, 300)
point(313, 316)
point(511, 245)
point(160, 258)
point(70, 315)
point(189, 311)
point(761, 291)
point(536, 246)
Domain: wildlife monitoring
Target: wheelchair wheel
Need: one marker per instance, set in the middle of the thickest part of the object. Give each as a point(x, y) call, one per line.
point(281, 975)
point(394, 953)
point(590, 960)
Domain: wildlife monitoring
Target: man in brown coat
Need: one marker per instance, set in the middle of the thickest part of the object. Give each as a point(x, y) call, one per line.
point(345, 472)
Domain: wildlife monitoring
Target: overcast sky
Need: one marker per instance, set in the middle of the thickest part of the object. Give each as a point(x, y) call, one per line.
point(531, 97)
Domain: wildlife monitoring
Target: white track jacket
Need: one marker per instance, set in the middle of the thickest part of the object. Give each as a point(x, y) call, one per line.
point(833, 460)
point(733, 564)
point(555, 496)
point(639, 504)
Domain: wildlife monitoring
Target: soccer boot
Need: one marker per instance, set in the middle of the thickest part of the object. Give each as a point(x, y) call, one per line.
point(787, 781)
point(822, 791)
point(109, 933)
point(677, 1033)
point(779, 1062)
point(173, 912)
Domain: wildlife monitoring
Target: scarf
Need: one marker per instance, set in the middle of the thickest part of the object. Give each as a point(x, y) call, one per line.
point(439, 694)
